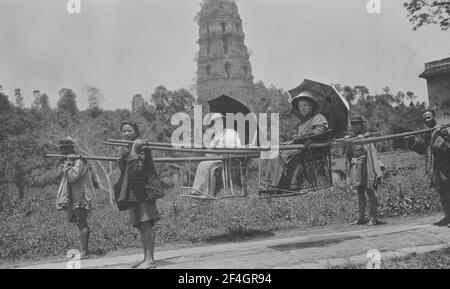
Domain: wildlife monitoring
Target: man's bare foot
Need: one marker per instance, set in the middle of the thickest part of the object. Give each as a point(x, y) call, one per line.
point(137, 264)
point(85, 256)
point(444, 222)
point(360, 221)
point(147, 265)
point(375, 222)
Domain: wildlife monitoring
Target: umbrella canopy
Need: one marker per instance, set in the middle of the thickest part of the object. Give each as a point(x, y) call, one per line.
point(225, 104)
point(332, 104)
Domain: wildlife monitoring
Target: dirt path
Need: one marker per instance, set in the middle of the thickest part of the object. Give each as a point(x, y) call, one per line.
point(319, 249)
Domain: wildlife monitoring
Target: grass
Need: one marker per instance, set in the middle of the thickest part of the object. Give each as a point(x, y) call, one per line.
point(33, 229)
point(439, 259)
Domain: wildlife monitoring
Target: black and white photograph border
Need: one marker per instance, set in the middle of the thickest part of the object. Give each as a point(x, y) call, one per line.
point(242, 135)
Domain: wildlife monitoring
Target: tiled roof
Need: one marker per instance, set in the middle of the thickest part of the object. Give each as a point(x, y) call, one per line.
point(436, 67)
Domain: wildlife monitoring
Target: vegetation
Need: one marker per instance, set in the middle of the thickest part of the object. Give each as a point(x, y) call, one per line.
point(425, 12)
point(439, 259)
point(31, 228)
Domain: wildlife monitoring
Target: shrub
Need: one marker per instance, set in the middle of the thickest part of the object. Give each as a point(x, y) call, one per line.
point(33, 229)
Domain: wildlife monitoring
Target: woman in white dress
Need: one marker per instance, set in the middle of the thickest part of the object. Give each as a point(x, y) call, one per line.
point(205, 177)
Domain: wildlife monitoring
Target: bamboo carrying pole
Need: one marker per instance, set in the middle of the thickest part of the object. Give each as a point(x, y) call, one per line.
point(334, 144)
point(163, 146)
point(190, 150)
point(351, 142)
point(156, 160)
point(94, 158)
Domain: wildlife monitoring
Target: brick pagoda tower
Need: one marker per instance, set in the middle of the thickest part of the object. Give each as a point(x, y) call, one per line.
point(223, 65)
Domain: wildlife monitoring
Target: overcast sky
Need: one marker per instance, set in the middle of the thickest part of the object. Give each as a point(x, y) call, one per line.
point(125, 47)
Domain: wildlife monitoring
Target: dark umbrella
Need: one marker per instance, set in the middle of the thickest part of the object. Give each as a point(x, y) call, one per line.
point(332, 104)
point(225, 104)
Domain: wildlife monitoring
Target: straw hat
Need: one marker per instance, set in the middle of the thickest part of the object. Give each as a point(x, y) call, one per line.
point(305, 95)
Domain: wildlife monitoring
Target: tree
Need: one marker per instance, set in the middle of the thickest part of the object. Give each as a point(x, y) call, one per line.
point(44, 103)
point(36, 100)
point(411, 97)
point(95, 97)
point(137, 103)
point(4, 102)
point(167, 103)
point(40, 103)
point(19, 98)
point(274, 100)
point(386, 98)
point(399, 98)
point(19, 150)
point(424, 12)
point(67, 102)
point(349, 94)
point(352, 94)
point(180, 100)
point(160, 98)
point(361, 91)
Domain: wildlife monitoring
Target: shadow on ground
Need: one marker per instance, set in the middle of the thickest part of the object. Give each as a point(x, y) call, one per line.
point(238, 235)
point(313, 243)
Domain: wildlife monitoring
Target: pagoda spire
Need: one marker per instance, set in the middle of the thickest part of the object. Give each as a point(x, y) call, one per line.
point(223, 64)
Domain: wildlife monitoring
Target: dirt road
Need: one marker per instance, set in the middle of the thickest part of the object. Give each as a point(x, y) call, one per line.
point(319, 249)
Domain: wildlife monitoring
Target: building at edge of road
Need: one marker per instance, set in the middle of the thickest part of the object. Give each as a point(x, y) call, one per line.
point(437, 74)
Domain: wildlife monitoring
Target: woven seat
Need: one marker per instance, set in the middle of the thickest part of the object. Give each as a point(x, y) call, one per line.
point(310, 170)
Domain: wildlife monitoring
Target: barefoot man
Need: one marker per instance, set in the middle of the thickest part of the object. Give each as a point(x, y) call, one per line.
point(137, 190)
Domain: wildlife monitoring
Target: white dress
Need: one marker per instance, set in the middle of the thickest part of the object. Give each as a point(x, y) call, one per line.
point(205, 180)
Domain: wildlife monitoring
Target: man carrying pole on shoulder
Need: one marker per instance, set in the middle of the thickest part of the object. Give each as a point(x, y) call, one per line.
point(363, 172)
point(436, 146)
point(76, 192)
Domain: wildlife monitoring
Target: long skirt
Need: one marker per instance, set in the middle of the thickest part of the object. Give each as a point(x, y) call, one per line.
point(285, 171)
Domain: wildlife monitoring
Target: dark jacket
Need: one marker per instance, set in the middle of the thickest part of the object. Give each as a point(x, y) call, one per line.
point(439, 156)
point(139, 180)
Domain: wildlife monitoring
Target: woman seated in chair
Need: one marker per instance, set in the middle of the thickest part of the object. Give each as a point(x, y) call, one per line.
point(205, 178)
point(283, 171)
